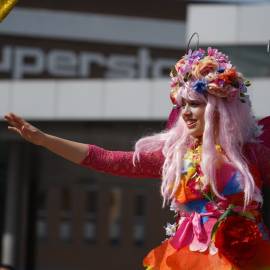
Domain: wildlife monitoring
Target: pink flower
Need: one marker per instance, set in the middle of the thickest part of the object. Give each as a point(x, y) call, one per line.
point(219, 56)
point(233, 94)
point(217, 208)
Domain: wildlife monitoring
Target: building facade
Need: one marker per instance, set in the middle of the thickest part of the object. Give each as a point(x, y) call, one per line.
point(97, 72)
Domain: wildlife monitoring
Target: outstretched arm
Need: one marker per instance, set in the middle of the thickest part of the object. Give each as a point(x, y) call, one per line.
point(149, 165)
point(67, 149)
point(91, 156)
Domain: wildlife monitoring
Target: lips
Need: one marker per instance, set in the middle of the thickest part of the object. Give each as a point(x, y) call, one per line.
point(191, 123)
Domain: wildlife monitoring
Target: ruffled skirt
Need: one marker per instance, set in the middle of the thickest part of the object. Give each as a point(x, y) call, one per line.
point(166, 257)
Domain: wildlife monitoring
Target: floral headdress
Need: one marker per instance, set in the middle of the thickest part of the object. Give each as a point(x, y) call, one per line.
point(208, 72)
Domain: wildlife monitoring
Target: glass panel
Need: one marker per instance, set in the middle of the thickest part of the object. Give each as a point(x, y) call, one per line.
point(90, 218)
point(65, 216)
point(42, 216)
point(115, 216)
point(139, 220)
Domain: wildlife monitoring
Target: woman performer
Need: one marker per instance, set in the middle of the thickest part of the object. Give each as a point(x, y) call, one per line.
point(211, 163)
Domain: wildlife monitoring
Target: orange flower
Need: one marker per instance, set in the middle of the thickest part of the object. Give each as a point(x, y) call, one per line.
point(204, 67)
point(228, 76)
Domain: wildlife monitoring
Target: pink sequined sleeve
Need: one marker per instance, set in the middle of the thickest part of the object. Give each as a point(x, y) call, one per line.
point(121, 163)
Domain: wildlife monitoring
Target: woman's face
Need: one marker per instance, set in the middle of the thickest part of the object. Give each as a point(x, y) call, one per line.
point(192, 113)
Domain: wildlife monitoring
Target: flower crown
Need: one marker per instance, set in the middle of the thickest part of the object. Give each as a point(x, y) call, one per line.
point(208, 72)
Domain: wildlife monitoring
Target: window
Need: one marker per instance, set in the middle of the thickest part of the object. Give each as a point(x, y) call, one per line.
point(65, 229)
point(42, 217)
point(139, 220)
point(90, 218)
point(246, 57)
point(115, 196)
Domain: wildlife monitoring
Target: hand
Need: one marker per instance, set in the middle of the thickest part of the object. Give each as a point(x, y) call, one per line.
point(24, 129)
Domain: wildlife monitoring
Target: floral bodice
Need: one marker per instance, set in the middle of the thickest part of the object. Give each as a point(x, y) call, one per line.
point(200, 214)
point(228, 181)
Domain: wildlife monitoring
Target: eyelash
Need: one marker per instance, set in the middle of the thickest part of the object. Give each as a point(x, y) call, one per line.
point(191, 104)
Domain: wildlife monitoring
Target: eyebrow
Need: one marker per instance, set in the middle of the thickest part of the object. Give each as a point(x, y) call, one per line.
point(189, 100)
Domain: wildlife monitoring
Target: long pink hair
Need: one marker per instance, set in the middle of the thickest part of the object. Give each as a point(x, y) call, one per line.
point(235, 127)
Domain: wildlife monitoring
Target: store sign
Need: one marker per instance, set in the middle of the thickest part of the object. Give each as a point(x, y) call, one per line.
point(26, 61)
point(43, 43)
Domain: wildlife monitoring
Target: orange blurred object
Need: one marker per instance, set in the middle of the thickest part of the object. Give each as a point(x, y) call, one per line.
point(5, 7)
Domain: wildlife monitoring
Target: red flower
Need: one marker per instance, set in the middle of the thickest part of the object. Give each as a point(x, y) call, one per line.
point(228, 76)
point(195, 186)
point(237, 238)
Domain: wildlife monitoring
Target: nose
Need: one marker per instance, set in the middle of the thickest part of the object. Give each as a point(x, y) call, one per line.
point(186, 110)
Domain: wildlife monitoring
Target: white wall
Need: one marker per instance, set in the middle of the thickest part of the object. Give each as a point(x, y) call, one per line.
point(44, 23)
point(102, 99)
point(260, 96)
point(230, 24)
point(86, 100)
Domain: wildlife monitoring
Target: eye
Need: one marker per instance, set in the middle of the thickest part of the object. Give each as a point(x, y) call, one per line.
point(194, 104)
point(183, 104)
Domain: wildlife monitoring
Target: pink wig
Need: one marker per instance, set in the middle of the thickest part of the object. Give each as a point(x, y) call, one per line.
point(231, 131)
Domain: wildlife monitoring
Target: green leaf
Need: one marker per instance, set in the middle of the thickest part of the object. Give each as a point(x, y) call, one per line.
point(215, 227)
point(227, 213)
point(173, 71)
point(187, 77)
point(247, 83)
point(207, 196)
point(248, 215)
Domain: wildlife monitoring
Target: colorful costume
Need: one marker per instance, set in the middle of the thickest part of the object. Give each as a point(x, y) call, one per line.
point(213, 230)
point(209, 232)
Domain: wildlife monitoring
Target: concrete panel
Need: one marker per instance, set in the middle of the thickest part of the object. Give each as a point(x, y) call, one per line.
point(127, 99)
point(5, 97)
point(260, 96)
point(91, 26)
point(253, 24)
point(80, 99)
point(34, 99)
point(160, 99)
point(110, 100)
point(216, 24)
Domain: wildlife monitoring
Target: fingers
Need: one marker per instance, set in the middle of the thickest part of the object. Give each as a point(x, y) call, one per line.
point(19, 126)
point(12, 123)
point(23, 132)
point(16, 130)
point(18, 119)
point(9, 119)
point(14, 120)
